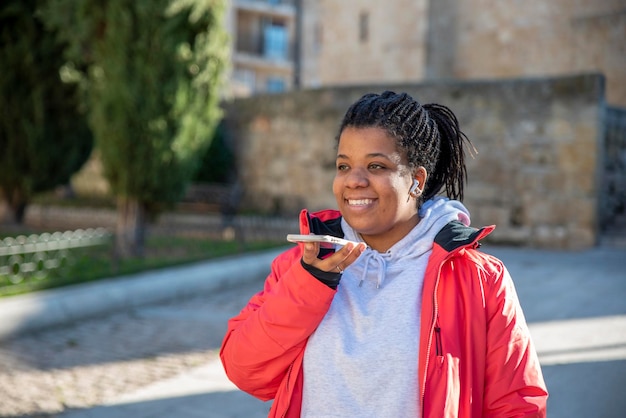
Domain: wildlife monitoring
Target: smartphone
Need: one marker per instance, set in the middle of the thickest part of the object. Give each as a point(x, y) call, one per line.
point(318, 238)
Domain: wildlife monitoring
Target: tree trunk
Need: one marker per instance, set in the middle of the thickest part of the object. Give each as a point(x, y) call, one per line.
point(7, 215)
point(13, 208)
point(130, 229)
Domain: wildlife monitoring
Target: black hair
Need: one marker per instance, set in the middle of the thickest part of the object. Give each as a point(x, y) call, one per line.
point(429, 134)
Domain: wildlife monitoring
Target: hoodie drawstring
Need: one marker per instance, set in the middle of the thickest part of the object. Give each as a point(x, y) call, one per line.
point(382, 267)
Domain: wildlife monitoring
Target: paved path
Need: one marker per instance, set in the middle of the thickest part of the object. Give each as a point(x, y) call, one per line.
point(159, 359)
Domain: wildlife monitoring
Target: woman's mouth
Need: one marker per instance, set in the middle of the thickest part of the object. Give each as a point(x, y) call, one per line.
point(360, 202)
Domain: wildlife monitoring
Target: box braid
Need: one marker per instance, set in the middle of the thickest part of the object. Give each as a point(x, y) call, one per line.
point(429, 134)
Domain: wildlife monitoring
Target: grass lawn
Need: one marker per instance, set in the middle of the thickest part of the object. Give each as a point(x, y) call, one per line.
point(87, 264)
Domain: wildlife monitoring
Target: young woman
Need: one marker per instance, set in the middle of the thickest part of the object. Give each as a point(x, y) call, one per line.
point(412, 320)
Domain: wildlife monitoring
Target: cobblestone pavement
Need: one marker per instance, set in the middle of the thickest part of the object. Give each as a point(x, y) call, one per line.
point(91, 362)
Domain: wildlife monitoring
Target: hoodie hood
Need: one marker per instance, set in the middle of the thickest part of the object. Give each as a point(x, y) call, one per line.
point(434, 215)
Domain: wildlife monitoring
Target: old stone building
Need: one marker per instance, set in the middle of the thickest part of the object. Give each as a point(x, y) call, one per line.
point(370, 41)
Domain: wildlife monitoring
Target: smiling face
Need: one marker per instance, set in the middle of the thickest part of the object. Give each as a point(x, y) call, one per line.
point(371, 186)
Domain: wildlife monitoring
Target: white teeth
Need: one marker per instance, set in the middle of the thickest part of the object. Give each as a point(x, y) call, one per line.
point(360, 202)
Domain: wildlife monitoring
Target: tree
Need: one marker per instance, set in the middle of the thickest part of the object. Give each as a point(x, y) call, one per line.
point(153, 71)
point(44, 138)
point(218, 161)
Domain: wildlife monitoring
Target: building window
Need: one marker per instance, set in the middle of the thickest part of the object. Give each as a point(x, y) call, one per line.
point(275, 85)
point(364, 27)
point(275, 42)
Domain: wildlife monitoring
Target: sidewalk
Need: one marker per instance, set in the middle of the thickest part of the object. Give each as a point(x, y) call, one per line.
point(575, 303)
point(204, 392)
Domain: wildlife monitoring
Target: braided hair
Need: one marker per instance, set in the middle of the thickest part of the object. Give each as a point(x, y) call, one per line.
point(429, 134)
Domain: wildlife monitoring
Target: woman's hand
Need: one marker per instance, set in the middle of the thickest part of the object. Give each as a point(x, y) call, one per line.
point(335, 263)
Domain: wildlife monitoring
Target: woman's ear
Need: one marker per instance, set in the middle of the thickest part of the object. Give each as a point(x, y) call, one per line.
point(419, 181)
point(420, 175)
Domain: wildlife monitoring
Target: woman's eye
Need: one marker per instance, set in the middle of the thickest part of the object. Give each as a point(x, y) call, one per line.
point(376, 166)
point(342, 167)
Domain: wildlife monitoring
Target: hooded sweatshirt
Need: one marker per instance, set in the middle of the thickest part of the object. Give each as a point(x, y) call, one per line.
point(367, 344)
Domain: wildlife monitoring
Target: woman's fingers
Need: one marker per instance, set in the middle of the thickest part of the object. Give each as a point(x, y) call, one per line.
point(311, 250)
point(342, 258)
point(336, 262)
point(349, 253)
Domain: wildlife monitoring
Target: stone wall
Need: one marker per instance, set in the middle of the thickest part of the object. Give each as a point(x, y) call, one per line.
point(537, 37)
point(536, 175)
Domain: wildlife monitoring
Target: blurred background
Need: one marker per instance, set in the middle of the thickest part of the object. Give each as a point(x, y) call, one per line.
point(139, 135)
point(126, 116)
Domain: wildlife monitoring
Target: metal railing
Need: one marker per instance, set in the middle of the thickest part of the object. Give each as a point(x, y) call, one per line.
point(614, 184)
point(33, 256)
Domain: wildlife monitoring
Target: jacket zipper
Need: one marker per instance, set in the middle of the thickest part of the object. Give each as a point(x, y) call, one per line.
point(430, 335)
point(438, 347)
point(284, 414)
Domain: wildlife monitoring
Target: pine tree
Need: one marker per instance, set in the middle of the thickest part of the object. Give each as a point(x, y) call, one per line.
point(44, 138)
point(153, 71)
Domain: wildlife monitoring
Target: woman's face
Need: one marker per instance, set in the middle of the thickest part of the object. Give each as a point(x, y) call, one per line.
point(372, 185)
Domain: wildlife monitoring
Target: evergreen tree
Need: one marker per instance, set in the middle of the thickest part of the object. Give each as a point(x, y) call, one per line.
point(44, 138)
point(218, 161)
point(152, 70)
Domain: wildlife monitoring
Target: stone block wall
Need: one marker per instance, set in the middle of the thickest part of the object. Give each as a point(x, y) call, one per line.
point(536, 37)
point(536, 175)
point(359, 41)
point(417, 40)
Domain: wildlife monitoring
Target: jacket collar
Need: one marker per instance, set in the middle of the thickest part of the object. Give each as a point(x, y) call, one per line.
point(456, 235)
point(325, 222)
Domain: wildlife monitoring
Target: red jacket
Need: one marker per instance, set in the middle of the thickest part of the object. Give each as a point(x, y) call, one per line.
point(476, 358)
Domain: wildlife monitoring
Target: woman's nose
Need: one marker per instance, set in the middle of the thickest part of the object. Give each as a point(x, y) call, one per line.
point(357, 178)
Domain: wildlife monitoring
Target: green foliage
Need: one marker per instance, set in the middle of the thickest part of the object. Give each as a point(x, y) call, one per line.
point(217, 162)
point(153, 71)
point(44, 138)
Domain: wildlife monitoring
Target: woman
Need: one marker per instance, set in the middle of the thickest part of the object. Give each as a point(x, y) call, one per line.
point(413, 320)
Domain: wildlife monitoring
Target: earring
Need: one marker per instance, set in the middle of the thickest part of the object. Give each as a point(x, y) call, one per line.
point(414, 191)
